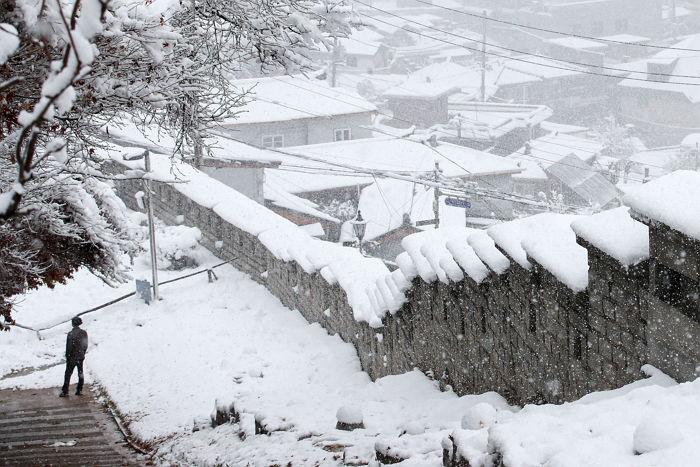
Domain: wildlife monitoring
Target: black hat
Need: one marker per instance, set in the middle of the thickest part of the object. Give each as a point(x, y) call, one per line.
point(76, 321)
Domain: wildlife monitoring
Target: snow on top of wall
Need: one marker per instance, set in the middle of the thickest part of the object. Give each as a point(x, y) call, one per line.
point(548, 240)
point(442, 254)
point(559, 254)
point(672, 200)
point(615, 232)
point(465, 256)
point(362, 279)
point(485, 249)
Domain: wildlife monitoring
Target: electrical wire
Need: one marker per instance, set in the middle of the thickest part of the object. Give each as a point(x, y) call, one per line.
point(561, 33)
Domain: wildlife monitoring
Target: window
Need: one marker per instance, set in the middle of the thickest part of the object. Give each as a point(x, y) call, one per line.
point(677, 290)
point(273, 141)
point(342, 134)
point(351, 61)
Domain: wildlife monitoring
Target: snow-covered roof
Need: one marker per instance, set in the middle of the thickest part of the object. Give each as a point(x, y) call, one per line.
point(315, 178)
point(583, 180)
point(283, 199)
point(283, 98)
point(547, 239)
point(615, 232)
point(123, 131)
point(691, 142)
point(687, 63)
point(445, 77)
point(659, 161)
point(671, 200)
point(488, 120)
point(562, 157)
point(541, 68)
point(363, 41)
point(406, 156)
point(626, 38)
point(430, 82)
point(554, 147)
point(562, 128)
point(577, 43)
point(380, 82)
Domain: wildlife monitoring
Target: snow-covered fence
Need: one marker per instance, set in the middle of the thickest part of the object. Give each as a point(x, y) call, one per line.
point(529, 309)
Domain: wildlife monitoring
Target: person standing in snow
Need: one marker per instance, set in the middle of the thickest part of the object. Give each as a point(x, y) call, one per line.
point(76, 345)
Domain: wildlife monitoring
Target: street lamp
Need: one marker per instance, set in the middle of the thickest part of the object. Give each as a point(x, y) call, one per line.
point(359, 225)
point(146, 156)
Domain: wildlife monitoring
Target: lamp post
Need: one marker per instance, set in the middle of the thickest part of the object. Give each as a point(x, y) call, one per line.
point(359, 225)
point(146, 156)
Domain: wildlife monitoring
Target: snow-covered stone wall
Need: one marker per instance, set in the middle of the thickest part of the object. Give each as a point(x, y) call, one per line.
point(478, 311)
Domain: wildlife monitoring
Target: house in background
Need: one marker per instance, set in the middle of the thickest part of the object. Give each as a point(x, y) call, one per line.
point(423, 106)
point(296, 110)
point(560, 166)
point(315, 195)
point(663, 108)
point(596, 18)
point(244, 175)
point(501, 128)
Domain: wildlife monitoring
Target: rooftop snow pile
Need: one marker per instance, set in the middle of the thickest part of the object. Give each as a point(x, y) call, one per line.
point(672, 200)
point(548, 240)
point(409, 157)
point(615, 233)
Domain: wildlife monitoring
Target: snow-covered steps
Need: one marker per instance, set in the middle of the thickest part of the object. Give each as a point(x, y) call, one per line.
point(39, 428)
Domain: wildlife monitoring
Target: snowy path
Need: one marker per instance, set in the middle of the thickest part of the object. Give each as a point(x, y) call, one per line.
point(38, 428)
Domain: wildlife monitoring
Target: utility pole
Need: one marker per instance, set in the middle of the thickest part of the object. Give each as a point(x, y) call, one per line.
point(436, 201)
point(483, 61)
point(673, 19)
point(151, 226)
point(334, 62)
point(146, 156)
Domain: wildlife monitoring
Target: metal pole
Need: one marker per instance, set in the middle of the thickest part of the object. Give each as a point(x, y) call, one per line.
point(334, 64)
point(483, 62)
point(436, 201)
point(151, 227)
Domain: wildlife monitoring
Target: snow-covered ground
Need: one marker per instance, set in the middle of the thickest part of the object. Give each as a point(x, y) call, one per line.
point(167, 364)
point(231, 341)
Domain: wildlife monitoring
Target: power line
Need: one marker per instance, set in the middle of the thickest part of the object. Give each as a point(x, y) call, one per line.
point(561, 33)
point(455, 189)
point(525, 53)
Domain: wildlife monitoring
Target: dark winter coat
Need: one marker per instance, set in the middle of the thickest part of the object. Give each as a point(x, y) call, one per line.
point(76, 344)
